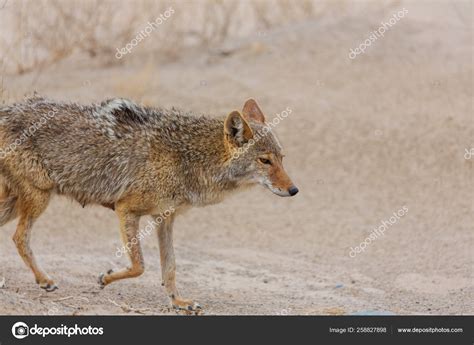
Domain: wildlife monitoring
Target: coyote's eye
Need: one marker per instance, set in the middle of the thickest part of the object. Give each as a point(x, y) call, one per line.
point(265, 161)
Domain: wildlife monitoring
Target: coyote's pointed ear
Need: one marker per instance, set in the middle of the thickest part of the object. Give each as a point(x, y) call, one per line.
point(237, 130)
point(252, 111)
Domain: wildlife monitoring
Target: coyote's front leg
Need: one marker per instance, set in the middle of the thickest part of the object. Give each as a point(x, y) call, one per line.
point(168, 267)
point(129, 230)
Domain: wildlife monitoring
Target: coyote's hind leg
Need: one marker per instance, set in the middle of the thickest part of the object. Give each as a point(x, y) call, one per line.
point(31, 203)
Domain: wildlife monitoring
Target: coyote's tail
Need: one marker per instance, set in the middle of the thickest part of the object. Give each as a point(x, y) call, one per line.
point(8, 202)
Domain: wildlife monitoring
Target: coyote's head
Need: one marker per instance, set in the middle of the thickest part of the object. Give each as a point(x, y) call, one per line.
point(255, 150)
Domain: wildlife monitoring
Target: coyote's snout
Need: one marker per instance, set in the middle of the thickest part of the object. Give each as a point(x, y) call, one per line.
point(135, 160)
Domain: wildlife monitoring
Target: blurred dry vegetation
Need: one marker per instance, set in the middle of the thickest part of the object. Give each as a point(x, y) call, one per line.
point(37, 33)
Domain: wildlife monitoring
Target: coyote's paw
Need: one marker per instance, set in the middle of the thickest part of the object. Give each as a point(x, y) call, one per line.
point(186, 306)
point(48, 285)
point(101, 280)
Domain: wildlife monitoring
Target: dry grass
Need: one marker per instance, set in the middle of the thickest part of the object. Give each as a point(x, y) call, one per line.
point(38, 33)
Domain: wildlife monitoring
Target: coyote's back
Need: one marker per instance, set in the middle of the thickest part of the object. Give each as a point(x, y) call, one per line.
point(92, 153)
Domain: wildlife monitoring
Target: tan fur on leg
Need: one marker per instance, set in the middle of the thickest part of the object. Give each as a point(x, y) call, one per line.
point(168, 266)
point(129, 223)
point(30, 208)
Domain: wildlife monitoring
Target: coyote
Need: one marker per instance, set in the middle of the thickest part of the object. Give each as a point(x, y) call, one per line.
point(135, 160)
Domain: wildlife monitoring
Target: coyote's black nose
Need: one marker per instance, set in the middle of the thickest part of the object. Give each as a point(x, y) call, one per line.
point(293, 190)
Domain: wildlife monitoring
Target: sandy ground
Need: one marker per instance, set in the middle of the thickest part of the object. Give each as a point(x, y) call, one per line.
point(365, 138)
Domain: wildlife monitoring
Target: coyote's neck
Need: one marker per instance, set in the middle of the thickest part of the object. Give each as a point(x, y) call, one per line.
point(207, 163)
